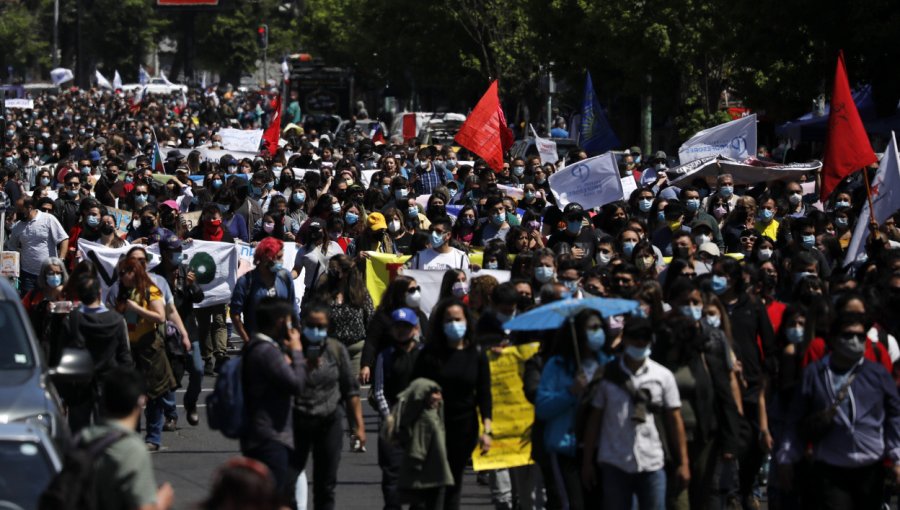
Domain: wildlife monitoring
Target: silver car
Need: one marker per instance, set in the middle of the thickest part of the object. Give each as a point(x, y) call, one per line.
point(28, 462)
point(27, 394)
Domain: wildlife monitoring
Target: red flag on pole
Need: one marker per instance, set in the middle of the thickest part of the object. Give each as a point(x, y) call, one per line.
point(410, 130)
point(485, 131)
point(847, 148)
point(273, 132)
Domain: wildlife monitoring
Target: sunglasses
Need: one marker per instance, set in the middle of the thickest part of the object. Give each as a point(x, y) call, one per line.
point(748, 239)
point(413, 290)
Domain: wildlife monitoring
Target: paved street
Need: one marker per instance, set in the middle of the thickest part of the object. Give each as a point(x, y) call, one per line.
point(191, 454)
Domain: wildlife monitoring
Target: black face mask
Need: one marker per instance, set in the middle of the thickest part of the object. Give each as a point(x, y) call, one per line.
point(107, 229)
point(681, 252)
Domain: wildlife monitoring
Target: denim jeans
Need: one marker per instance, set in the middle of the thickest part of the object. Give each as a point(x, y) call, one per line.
point(153, 413)
point(195, 384)
point(620, 489)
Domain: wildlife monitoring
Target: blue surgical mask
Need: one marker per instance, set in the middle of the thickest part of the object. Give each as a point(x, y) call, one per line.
point(713, 321)
point(572, 285)
point(386, 190)
point(54, 280)
point(529, 195)
point(455, 332)
point(596, 339)
point(693, 312)
point(543, 274)
point(628, 248)
point(808, 241)
point(128, 179)
point(492, 264)
point(45, 181)
point(645, 204)
point(841, 222)
point(270, 185)
point(498, 219)
point(254, 191)
point(518, 171)
point(843, 203)
point(413, 212)
point(140, 198)
point(72, 193)
point(351, 218)
point(766, 214)
point(719, 284)
point(216, 183)
point(437, 240)
point(638, 353)
point(727, 191)
point(315, 335)
point(466, 221)
point(400, 194)
point(573, 227)
point(693, 204)
point(299, 198)
point(93, 221)
point(661, 216)
point(794, 335)
point(336, 207)
point(277, 266)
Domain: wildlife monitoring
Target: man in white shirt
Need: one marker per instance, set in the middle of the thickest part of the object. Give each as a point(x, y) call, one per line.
point(441, 256)
point(37, 236)
point(623, 431)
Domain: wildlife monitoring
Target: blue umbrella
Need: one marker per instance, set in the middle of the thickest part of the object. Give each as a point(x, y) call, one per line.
point(553, 315)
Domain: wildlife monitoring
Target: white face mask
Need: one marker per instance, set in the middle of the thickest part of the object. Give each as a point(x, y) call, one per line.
point(394, 226)
point(603, 259)
point(413, 300)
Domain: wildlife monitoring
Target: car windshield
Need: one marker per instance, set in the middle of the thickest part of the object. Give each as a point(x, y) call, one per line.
point(15, 350)
point(25, 471)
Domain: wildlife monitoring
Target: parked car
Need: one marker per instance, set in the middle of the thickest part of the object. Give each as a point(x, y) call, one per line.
point(29, 460)
point(364, 128)
point(526, 148)
point(27, 391)
point(157, 86)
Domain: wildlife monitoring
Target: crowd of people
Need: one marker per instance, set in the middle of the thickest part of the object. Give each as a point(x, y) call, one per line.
point(756, 364)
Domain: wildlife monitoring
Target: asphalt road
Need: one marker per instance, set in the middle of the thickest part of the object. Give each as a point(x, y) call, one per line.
point(190, 455)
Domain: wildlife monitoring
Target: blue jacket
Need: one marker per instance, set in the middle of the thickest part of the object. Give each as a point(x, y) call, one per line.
point(557, 407)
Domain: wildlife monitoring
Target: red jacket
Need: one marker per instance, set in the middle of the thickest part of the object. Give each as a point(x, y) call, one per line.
point(874, 352)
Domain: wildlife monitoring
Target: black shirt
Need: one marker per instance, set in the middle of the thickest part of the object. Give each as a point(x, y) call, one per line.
point(464, 376)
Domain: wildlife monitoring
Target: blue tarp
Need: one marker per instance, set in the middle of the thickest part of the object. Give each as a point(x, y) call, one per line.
point(813, 127)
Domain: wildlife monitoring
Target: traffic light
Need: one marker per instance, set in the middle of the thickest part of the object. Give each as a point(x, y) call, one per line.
point(262, 36)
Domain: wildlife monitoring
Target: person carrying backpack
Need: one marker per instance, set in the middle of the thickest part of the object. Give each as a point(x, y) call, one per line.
point(268, 279)
point(318, 417)
point(110, 467)
point(273, 373)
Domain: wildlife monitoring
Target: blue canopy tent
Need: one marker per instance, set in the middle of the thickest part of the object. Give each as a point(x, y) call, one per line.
point(813, 127)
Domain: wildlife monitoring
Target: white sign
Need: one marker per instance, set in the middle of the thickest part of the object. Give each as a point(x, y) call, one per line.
point(215, 266)
point(628, 187)
point(592, 182)
point(366, 177)
point(241, 140)
point(546, 148)
point(9, 264)
point(735, 140)
point(25, 104)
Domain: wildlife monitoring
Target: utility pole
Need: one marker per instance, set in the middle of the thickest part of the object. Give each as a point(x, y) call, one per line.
point(551, 89)
point(647, 117)
point(55, 56)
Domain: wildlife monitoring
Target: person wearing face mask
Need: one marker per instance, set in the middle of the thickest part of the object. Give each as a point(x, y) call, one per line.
point(635, 394)
point(318, 417)
point(88, 228)
point(497, 225)
point(440, 256)
point(402, 292)
point(268, 278)
point(796, 207)
point(843, 219)
point(276, 373)
point(754, 346)
point(313, 256)
point(568, 378)
point(663, 237)
point(426, 177)
point(695, 215)
point(698, 353)
point(392, 374)
point(766, 224)
point(66, 207)
point(109, 236)
point(803, 234)
point(453, 360)
point(725, 190)
point(654, 176)
point(580, 236)
point(36, 236)
point(848, 409)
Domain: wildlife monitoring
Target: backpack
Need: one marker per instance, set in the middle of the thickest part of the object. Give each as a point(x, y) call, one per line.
point(72, 488)
point(225, 405)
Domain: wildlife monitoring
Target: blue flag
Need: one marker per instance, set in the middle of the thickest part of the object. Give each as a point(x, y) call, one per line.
point(595, 135)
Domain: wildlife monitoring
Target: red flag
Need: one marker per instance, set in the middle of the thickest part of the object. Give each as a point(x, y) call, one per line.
point(410, 130)
point(847, 148)
point(485, 131)
point(273, 132)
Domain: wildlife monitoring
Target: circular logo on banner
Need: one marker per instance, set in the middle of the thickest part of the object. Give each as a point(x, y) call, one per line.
point(204, 267)
point(581, 171)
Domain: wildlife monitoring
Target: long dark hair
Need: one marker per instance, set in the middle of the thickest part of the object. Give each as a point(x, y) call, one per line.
point(565, 343)
point(348, 281)
point(436, 337)
point(450, 277)
point(394, 296)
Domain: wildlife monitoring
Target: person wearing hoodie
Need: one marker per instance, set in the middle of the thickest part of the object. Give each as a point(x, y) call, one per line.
point(104, 334)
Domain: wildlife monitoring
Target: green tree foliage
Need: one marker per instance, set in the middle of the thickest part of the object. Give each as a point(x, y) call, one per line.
point(20, 37)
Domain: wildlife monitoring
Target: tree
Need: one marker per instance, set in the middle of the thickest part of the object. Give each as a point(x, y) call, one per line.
point(20, 38)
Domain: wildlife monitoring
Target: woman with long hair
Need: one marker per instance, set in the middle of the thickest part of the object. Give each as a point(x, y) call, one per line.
point(402, 292)
point(452, 359)
point(141, 302)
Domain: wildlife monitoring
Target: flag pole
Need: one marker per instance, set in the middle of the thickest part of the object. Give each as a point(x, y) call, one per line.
point(869, 197)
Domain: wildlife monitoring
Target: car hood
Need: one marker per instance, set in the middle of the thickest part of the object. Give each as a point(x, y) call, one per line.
point(22, 393)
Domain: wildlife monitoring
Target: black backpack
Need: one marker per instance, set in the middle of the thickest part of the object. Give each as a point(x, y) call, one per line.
point(73, 487)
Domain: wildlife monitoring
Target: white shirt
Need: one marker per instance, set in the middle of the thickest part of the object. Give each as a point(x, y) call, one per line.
point(623, 443)
point(36, 240)
point(891, 344)
point(431, 260)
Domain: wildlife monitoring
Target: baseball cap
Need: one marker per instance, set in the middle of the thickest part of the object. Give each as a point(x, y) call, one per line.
point(94, 155)
point(170, 204)
point(170, 242)
point(709, 249)
point(405, 315)
point(573, 210)
point(634, 150)
point(376, 221)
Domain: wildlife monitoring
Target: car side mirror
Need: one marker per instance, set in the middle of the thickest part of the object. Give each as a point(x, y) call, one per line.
point(75, 367)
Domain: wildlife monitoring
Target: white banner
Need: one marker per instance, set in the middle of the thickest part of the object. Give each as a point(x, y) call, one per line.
point(61, 75)
point(735, 140)
point(215, 266)
point(105, 260)
point(628, 187)
point(291, 250)
point(241, 140)
point(743, 173)
point(430, 283)
point(546, 148)
point(25, 104)
point(885, 200)
point(592, 182)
